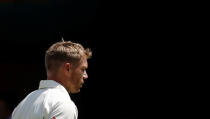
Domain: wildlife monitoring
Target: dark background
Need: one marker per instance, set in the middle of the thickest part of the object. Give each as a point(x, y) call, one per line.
point(129, 74)
point(28, 28)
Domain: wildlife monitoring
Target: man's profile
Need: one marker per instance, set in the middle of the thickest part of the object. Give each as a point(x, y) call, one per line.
point(66, 64)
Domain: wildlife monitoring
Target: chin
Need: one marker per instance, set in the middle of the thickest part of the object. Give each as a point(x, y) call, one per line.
point(76, 91)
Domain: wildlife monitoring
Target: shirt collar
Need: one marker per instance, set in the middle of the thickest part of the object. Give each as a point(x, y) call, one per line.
point(51, 84)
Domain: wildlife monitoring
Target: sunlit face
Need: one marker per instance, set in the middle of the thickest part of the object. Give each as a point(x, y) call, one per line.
point(77, 76)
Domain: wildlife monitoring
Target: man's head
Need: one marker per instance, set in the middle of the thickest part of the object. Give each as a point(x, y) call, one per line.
point(66, 63)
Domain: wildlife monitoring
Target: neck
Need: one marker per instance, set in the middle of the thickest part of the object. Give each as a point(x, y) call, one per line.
point(56, 77)
point(52, 76)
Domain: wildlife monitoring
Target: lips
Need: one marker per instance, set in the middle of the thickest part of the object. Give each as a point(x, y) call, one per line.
point(81, 85)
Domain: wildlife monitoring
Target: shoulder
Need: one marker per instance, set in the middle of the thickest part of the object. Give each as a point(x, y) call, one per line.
point(55, 96)
point(57, 99)
point(58, 103)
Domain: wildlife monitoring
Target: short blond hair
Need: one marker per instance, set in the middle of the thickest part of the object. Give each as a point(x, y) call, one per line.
point(65, 51)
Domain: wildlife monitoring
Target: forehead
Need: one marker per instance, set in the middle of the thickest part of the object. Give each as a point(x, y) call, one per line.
point(84, 63)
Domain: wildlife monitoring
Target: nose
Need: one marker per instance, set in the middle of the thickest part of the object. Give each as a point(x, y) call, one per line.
point(85, 75)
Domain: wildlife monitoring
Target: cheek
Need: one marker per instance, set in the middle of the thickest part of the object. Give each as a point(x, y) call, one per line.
point(77, 77)
point(79, 74)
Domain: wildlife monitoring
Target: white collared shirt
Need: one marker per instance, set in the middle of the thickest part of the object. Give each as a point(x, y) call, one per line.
point(50, 101)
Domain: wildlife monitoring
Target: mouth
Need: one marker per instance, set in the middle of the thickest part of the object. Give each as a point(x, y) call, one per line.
point(81, 85)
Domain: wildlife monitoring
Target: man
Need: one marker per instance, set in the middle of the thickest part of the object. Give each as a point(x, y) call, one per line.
point(66, 64)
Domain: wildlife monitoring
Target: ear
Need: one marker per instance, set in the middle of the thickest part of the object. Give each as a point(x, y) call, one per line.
point(67, 66)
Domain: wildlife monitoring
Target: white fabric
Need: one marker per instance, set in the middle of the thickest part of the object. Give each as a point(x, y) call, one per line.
point(49, 101)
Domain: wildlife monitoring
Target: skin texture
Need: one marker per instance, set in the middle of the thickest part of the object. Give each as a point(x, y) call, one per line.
point(70, 76)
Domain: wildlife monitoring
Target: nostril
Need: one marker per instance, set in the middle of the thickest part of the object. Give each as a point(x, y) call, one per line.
point(85, 77)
